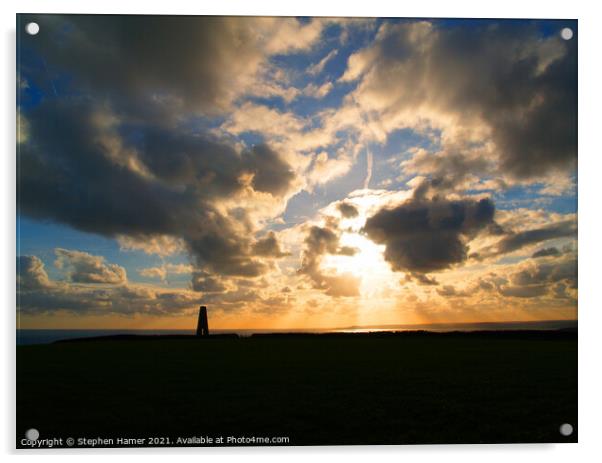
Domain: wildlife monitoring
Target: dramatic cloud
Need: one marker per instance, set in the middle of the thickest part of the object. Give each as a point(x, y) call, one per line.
point(518, 240)
point(268, 247)
point(347, 210)
point(503, 82)
point(454, 168)
point(423, 235)
point(38, 294)
point(271, 174)
point(421, 279)
point(193, 62)
point(559, 279)
point(204, 282)
point(546, 252)
point(451, 291)
point(31, 274)
point(248, 151)
point(544, 284)
point(82, 267)
point(318, 242)
point(162, 185)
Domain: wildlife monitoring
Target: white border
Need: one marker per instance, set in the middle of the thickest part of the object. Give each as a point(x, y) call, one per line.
point(590, 167)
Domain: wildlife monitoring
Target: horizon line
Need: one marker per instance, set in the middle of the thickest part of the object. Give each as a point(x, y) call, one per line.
point(382, 326)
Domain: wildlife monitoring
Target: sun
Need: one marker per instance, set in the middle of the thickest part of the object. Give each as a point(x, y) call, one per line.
point(367, 263)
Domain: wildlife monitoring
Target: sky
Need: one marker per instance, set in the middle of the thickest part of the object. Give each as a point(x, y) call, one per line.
point(294, 172)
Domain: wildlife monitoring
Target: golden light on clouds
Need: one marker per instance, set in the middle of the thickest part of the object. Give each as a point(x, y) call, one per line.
point(290, 174)
point(367, 264)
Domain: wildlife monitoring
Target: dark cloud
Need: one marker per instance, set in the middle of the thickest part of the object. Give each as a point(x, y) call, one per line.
point(82, 267)
point(271, 174)
point(115, 145)
point(31, 274)
point(423, 235)
point(421, 279)
point(268, 246)
point(451, 291)
point(148, 63)
point(449, 169)
point(226, 254)
point(319, 242)
point(555, 279)
point(546, 252)
point(206, 283)
point(347, 210)
point(75, 168)
point(546, 272)
point(526, 291)
point(210, 166)
point(518, 240)
point(509, 76)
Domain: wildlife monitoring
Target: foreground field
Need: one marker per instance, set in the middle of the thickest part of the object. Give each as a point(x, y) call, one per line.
point(321, 389)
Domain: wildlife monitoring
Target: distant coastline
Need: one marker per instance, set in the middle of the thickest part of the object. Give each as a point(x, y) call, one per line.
point(44, 336)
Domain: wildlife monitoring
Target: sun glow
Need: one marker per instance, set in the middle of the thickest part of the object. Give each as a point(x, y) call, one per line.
point(367, 263)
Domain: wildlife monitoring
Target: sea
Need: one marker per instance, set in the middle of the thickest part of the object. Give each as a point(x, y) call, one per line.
point(29, 337)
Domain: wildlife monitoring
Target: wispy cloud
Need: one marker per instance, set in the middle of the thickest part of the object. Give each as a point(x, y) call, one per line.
point(369, 162)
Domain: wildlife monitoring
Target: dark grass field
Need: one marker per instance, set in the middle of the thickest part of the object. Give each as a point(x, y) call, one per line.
point(314, 389)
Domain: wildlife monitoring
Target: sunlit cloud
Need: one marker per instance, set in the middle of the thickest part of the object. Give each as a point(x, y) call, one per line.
point(296, 173)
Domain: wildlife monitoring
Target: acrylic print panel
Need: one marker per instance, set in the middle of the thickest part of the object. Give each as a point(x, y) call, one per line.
point(295, 231)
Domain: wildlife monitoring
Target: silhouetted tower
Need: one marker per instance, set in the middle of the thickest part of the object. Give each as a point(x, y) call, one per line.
point(202, 328)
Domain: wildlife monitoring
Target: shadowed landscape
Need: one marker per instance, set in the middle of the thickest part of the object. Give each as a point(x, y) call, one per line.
point(323, 389)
